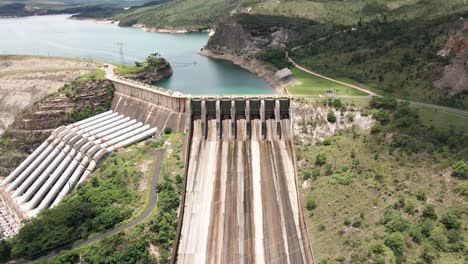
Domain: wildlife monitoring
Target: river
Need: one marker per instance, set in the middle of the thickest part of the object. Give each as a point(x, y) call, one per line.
point(193, 74)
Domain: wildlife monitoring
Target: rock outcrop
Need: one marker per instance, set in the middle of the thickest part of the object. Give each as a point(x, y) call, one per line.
point(311, 124)
point(152, 74)
point(454, 76)
point(240, 38)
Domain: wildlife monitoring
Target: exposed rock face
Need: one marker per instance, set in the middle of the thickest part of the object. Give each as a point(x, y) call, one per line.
point(241, 35)
point(153, 74)
point(239, 38)
point(311, 124)
point(454, 78)
point(32, 126)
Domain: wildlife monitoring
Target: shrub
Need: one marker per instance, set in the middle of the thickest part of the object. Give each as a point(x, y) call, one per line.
point(308, 173)
point(421, 195)
point(451, 220)
point(310, 202)
point(167, 130)
point(331, 117)
point(429, 254)
point(383, 102)
point(383, 116)
point(395, 242)
point(320, 159)
point(429, 212)
point(376, 128)
point(461, 189)
point(394, 221)
point(439, 239)
point(327, 142)
point(460, 169)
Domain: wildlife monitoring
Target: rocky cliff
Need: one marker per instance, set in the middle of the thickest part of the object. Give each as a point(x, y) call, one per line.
point(242, 38)
point(454, 75)
point(153, 72)
point(73, 102)
point(312, 124)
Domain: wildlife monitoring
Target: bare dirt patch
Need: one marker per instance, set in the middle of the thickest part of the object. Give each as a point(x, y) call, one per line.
point(24, 80)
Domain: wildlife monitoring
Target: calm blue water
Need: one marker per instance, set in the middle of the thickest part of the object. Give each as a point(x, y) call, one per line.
point(193, 74)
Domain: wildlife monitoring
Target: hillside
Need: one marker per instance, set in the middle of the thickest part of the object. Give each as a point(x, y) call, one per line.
point(410, 49)
point(390, 194)
point(415, 51)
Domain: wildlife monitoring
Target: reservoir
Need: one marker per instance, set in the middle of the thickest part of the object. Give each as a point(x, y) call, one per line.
point(193, 74)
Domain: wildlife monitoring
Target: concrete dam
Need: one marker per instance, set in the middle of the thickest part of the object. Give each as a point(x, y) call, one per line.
point(241, 201)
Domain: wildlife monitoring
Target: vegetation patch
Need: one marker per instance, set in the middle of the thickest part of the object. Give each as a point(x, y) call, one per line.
point(310, 84)
point(392, 196)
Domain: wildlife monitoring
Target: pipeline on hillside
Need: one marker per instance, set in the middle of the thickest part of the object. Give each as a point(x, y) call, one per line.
point(67, 157)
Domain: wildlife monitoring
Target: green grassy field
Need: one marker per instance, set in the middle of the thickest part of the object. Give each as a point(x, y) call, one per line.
point(125, 69)
point(95, 74)
point(311, 84)
point(443, 120)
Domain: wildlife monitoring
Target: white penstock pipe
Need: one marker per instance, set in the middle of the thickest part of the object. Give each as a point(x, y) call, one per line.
point(37, 198)
point(54, 192)
point(94, 122)
point(25, 163)
point(114, 129)
point(125, 131)
point(94, 127)
point(107, 127)
point(84, 121)
point(37, 166)
point(28, 168)
point(73, 179)
point(45, 174)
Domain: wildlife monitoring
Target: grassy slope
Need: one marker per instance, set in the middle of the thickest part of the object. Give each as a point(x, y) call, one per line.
point(311, 84)
point(365, 175)
point(395, 57)
point(403, 175)
point(178, 14)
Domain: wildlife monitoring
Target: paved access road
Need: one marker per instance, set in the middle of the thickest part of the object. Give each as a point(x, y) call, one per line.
point(149, 207)
point(413, 103)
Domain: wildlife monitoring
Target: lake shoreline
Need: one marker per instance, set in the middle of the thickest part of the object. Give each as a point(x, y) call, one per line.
point(256, 67)
point(143, 26)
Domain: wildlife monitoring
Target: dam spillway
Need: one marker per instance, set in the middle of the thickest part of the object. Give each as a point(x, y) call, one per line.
point(242, 203)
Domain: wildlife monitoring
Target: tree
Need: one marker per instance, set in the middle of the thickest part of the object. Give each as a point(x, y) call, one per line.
point(331, 117)
point(396, 243)
point(310, 202)
point(383, 116)
point(383, 102)
point(320, 159)
point(460, 169)
point(451, 220)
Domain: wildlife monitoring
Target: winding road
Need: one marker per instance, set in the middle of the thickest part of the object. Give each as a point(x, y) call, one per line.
point(459, 112)
point(147, 211)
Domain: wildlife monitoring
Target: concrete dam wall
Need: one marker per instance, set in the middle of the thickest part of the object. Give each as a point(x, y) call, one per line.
point(242, 203)
point(152, 106)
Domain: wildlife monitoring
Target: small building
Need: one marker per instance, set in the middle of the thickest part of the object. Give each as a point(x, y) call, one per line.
point(329, 92)
point(284, 75)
